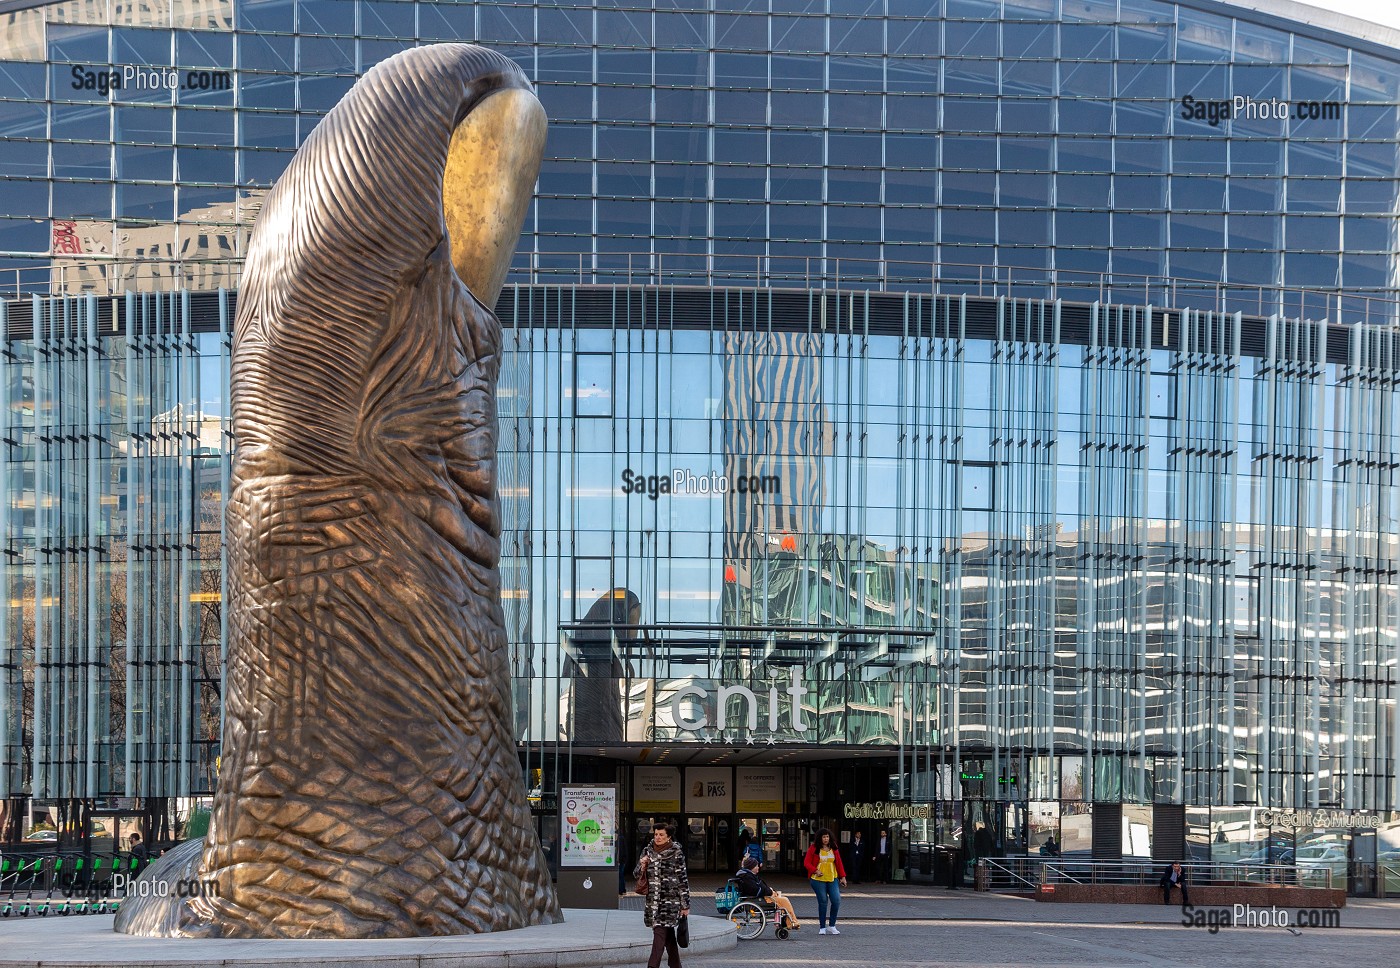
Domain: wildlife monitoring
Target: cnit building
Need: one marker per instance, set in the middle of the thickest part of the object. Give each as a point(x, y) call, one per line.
point(1022, 374)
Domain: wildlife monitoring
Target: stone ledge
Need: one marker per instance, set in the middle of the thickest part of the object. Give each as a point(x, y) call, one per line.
point(1201, 896)
point(584, 940)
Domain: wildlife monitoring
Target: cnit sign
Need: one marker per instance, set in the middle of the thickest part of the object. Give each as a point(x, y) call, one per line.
point(686, 715)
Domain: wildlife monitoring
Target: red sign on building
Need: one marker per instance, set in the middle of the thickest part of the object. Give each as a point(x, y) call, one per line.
point(65, 238)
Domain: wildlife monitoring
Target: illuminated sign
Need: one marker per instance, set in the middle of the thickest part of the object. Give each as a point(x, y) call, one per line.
point(888, 810)
point(1317, 818)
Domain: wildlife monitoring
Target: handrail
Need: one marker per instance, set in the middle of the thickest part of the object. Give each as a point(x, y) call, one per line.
point(1013, 875)
point(1060, 870)
point(74, 275)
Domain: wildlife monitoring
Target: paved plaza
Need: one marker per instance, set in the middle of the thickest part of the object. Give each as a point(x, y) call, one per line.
point(895, 926)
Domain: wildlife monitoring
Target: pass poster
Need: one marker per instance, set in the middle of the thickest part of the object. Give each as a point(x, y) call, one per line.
point(588, 815)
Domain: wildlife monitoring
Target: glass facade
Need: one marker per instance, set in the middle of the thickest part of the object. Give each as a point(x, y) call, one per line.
point(931, 381)
point(1156, 547)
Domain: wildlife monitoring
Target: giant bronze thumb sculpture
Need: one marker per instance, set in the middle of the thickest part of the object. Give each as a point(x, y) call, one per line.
point(370, 786)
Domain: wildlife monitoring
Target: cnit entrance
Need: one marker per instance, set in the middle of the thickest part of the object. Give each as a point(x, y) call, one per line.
point(723, 811)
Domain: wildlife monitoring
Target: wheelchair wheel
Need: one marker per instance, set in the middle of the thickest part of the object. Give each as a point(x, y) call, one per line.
point(782, 934)
point(749, 918)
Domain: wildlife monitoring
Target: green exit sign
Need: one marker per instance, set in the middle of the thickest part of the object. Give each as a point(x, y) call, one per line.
point(974, 776)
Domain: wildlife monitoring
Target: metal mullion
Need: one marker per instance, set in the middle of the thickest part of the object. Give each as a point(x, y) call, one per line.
point(41, 783)
point(10, 650)
point(132, 680)
point(1230, 520)
point(1094, 490)
point(903, 613)
point(63, 701)
point(186, 379)
point(146, 665)
point(952, 470)
point(91, 552)
point(1360, 364)
point(1265, 408)
point(165, 356)
point(170, 533)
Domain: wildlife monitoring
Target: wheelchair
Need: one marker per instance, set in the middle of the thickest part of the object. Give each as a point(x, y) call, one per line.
point(750, 915)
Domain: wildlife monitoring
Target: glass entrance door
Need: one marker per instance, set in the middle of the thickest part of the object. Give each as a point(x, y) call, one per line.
point(982, 828)
point(761, 837)
point(699, 844)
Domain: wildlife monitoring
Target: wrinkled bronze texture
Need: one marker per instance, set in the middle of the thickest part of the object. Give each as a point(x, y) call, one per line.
point(370, 786)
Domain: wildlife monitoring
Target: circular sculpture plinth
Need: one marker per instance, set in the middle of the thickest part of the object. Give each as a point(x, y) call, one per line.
point(585, 938)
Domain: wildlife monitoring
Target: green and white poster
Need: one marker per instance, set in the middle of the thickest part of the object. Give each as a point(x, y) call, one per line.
point(588, 815)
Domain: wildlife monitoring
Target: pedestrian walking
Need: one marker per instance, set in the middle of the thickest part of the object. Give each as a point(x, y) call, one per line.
point(140, 852)
point(667, 891)
point(828, 876)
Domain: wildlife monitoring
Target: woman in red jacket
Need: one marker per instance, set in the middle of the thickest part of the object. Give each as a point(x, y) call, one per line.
point(823, 863)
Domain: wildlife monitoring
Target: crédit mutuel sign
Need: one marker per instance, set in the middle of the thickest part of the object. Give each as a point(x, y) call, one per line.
point(1299, 819)
point(888, 810)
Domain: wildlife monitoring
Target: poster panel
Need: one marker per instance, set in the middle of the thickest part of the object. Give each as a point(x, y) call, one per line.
point(709, 789)
point(588, 815)
point(656, 789)
point(758, 789)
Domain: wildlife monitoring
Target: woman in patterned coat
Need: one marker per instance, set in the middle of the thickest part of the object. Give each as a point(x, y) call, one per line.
point(668, 893)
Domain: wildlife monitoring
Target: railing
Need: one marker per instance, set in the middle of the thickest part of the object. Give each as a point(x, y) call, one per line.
point(1013, 874)
point(71, 276)
point(1388, 876)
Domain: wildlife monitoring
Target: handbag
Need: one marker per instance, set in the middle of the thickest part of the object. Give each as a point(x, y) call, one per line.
point(642, 883)
point(683, 932)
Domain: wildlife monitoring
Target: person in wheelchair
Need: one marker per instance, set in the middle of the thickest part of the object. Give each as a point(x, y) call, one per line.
point(752, 886)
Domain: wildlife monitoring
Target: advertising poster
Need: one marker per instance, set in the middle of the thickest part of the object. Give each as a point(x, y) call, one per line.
point(588, 815)
point(758, 790)
point(709, 789)
point(656, 789)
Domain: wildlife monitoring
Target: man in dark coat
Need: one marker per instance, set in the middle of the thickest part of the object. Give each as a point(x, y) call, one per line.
point(140, 852)
point(1174, 876)
point(856, 864)
point(982, 843)
point(882, 857)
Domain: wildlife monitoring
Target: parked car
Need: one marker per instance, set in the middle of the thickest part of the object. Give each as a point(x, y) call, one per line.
point(1333, 856)
point(1269, 855)
point(42, 836)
